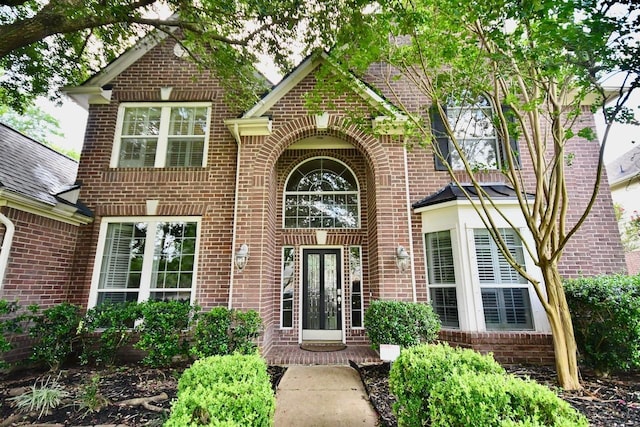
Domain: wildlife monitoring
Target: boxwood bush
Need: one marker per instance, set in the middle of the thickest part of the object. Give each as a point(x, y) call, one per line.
point(605, 311)
point(489, 399)
point(401, 323)
point(438, 385)
point(222, 331)
point(419, 369)
point(232, 390)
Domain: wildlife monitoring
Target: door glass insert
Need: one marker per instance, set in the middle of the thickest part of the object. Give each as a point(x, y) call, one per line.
point(322, 293)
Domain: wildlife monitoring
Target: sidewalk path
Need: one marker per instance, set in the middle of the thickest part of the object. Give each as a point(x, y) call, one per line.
point(319, 396)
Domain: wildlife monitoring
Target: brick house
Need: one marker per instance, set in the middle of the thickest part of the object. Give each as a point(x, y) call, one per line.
point(39, 220)
point(303, 217)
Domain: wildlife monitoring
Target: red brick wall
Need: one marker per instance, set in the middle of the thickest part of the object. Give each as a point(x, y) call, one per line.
point(40, 261)
point(264, 164)
point(507, 347)
point(204, 192)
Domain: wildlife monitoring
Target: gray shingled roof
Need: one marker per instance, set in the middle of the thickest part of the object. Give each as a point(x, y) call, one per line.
point(453, 192)
point(34, 170)
point(624, 167)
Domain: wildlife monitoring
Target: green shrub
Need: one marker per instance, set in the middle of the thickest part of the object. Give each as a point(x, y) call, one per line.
point(55, 331)
point(230, 390)
point(490, 399)
point(402, 323)
point(222, 331)
point(10, 323)
point(605, 311)
point(162, 332)
point(115, 324)
point(419, 369)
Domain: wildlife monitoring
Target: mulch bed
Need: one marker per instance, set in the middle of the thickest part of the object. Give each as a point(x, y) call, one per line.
point(610, 402)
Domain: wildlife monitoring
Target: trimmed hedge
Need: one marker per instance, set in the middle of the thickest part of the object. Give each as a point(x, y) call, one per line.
point(222, 331)
point(419, 369)
point(232, 390)
point(605, 311)
point(482, 399)
point(441, 386)
point(402, 323)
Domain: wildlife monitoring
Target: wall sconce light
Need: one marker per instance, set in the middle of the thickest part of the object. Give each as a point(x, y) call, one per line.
point(242, 256)
point(402, 259)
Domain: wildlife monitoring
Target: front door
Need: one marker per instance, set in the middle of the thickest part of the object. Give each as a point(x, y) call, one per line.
point(321, 295)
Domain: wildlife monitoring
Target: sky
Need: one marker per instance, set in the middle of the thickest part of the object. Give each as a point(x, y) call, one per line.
point(73, 120)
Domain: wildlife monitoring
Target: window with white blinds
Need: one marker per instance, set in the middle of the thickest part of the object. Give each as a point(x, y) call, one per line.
point(505, 306)
point(162, 135)
point(148, 259)
point(442, 279)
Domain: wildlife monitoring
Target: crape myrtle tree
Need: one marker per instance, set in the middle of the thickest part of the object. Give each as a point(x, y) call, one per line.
point(534, 64)
point(45, 45)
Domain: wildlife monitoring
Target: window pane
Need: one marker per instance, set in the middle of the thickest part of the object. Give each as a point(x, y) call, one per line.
point(472, 124)
point(507, 308)
point(288, 272)
point(493, 267)
point(355, 273)
point(141, 121)
point(188, 121)
point(123, 255)
point(185, 152)
point(439, 251)
point(445, 303)
point(173, 256)
point(327, 196)
point(137, 152)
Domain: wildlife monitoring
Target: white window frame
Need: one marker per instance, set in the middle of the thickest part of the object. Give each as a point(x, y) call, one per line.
point(145, 289)
point(495, 253)
point(434, 285)
point(351, 291)
point(464, 138)
point(286, 193)
point(163, 133)
point(293, 278)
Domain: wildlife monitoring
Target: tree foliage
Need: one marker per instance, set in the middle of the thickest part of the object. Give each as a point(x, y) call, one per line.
point(48, 45)
point(538, 63)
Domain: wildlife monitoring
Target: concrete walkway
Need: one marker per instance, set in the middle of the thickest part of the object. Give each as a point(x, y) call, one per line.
point(319, 396)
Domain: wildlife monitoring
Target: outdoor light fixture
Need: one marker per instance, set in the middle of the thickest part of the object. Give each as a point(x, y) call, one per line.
point(402, 259)
point(242, 256)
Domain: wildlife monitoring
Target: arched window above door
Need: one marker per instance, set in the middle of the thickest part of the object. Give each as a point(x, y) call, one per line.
point(322, 193)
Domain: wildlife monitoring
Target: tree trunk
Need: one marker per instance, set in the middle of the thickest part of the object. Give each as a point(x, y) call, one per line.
point(564, 342)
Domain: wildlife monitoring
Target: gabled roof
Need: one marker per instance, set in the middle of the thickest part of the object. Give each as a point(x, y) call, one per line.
point(33, 173)
point(452, 192)
point(625, 167)
point(255, 121)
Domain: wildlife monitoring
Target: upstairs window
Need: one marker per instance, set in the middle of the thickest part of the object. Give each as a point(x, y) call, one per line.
point(472, 123)
point(322, 193)
point(162, 135)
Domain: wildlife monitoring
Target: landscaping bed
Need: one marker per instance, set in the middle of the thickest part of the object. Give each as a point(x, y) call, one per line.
point(611, 402)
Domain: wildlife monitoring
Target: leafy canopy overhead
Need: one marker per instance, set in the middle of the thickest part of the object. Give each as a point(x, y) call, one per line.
point(45, 45)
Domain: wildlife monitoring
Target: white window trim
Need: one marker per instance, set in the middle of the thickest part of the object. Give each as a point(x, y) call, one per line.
point(295, 288)
point(165, 116)
point(479, 286)
point(356, 328)
point(144, 290)
point(457, 267)
point(285, 193)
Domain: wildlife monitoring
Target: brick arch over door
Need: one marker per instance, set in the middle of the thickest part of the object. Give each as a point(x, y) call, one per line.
point(296, 130)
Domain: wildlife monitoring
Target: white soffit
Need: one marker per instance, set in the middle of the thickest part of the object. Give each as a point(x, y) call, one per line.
point(320, 142)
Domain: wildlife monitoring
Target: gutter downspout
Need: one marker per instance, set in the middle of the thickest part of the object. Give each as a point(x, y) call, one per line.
point(410, 225)
point(6, 246)
point(236, 135)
